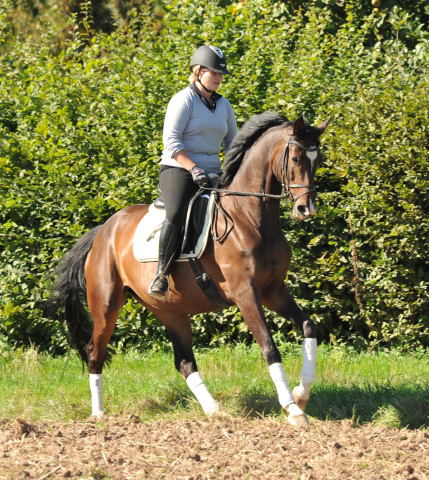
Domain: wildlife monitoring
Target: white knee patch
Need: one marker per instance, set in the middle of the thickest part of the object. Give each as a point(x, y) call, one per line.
point(96, 386)
point(279, 378)
point(202, 394)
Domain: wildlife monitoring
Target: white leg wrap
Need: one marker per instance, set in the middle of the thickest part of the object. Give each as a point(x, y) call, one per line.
point(199, 389)
point(96, 386)
point(278, 376)
point(308, 372)
point(309, 356)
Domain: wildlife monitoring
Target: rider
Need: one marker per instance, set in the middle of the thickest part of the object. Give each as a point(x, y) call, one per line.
point(197, 122)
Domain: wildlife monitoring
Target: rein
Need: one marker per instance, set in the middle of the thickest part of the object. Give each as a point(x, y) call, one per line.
point(245, 194)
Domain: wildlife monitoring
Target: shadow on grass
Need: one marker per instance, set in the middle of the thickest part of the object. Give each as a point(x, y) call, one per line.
point(390, 406)
point(259, 405)
point(173, 398)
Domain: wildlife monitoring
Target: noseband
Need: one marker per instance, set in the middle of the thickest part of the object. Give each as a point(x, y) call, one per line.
point(284, 161)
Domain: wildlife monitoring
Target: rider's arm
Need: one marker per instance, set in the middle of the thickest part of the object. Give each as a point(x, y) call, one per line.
point(232, 128)
point(178, 113)
point(184, 160)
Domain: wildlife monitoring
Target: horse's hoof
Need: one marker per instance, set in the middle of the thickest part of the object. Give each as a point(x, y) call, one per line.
point(298, 420)
point(219, 415)
point(301, 402)
point(213, 410)
point(295, 416)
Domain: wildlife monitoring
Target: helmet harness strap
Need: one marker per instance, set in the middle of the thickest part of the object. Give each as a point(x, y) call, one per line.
point(201, 83)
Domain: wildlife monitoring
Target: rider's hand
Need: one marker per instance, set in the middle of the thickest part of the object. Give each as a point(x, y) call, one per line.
point(199, 176)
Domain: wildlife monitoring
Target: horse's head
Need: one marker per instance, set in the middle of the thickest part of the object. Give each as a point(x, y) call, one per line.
point(298, 164)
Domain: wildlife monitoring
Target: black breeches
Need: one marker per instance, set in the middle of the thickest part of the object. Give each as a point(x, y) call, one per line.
point(177, 189)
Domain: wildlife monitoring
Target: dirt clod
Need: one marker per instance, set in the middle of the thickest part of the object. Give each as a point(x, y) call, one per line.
point(21, 427)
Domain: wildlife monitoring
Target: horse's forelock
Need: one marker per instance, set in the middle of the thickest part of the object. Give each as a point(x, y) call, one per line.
point(309, 132)
point(245, 138)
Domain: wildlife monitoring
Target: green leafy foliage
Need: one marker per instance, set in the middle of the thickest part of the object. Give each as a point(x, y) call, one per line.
point(80, 136)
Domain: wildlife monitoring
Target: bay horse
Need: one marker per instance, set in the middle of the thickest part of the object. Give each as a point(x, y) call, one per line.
point(270, 158)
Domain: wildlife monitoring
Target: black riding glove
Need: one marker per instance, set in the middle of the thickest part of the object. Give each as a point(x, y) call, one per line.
point(199, 176)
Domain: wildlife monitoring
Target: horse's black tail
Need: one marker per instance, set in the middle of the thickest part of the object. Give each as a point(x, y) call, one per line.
point(70, 285)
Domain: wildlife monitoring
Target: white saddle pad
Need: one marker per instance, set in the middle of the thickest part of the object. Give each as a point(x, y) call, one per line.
point(146, 236)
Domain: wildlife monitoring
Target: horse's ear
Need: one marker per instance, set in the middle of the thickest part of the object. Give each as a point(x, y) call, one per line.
point(321, 128)
point(298, 125)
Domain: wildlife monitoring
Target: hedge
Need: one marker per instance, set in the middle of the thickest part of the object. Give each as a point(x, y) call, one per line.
point(80, 138)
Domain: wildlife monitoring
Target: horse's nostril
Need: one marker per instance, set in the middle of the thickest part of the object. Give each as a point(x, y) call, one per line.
point(304, 211)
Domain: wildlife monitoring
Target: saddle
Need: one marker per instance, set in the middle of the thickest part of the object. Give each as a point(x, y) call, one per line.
point(196, 233)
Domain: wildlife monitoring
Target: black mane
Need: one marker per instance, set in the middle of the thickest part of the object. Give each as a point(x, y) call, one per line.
point(245, 138)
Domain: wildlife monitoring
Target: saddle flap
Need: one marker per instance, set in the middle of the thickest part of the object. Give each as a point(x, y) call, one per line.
point(195, 224)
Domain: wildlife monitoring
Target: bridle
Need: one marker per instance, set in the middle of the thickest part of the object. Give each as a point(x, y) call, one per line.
point(284, 163)
point(286, 185)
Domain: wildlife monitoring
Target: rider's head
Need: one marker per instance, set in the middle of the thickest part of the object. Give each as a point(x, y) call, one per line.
point(207, 58)
point(211, 58)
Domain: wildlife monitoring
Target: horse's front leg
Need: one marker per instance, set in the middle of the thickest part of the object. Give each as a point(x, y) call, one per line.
point(250, 307)
point(281, 301)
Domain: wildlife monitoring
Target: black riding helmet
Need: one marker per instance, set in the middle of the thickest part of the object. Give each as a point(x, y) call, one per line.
point(210, 57)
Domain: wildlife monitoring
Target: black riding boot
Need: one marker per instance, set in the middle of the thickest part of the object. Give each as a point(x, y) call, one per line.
point(168, 242)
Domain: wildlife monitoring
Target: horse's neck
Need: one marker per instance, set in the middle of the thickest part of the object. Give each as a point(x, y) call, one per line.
point(255, 175)
point(256, 172)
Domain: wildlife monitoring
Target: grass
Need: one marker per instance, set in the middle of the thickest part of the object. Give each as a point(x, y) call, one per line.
point(389, 389)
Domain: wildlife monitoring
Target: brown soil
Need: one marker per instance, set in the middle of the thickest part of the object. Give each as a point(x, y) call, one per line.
point(200, 449)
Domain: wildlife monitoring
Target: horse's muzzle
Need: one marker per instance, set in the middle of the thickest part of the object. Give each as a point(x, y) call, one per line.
point(304, 211)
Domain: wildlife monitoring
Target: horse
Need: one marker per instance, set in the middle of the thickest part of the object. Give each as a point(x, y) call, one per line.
point(247, 260)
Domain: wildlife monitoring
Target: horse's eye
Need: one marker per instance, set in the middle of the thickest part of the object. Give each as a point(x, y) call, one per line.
point(295, 159)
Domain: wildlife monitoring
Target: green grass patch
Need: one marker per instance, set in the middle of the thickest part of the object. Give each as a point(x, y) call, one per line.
point(390, 389)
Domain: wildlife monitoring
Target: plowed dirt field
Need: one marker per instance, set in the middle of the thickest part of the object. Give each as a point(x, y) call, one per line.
point(123, 448)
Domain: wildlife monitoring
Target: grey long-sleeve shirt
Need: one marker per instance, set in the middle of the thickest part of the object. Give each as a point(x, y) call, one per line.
point(191, 126)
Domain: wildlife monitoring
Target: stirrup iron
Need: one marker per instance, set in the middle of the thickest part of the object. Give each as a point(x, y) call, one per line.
point(159, 285)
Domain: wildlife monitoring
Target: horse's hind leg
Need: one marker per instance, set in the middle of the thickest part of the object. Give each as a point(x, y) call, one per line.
point(105, 298)
point(179, 330)
point(282, 302)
